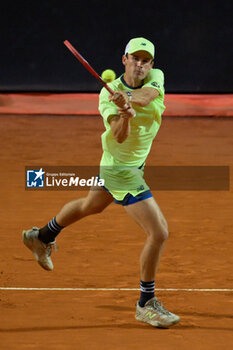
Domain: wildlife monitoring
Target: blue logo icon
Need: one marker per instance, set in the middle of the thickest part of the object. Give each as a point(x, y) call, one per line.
point(35, 178)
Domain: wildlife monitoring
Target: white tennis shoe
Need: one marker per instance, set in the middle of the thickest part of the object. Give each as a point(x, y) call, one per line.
point(40, 250)
point(155, 314)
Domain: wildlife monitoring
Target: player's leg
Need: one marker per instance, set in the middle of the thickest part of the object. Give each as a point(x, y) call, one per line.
point(149, 216)
point(41, 241)
point(95, 202)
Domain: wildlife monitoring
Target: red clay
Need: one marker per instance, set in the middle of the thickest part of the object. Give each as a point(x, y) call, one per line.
point(103, 250)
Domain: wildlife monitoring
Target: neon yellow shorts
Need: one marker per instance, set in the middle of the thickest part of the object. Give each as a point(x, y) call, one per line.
point(123, 180)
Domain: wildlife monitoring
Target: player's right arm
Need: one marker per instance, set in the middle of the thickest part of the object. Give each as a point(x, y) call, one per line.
point(117, 116)
point(120, 124)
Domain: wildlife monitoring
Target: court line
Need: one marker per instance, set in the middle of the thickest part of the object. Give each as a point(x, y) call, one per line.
point(120, 289)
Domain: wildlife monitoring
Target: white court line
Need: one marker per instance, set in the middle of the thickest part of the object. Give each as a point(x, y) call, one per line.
point(119, 289)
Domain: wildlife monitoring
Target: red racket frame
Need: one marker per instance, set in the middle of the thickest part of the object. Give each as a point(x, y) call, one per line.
point(87, 65)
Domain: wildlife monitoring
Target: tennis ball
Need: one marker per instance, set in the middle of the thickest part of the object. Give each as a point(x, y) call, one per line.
point(108, 75)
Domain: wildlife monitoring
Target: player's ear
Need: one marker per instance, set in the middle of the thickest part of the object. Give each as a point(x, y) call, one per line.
point(124, 59)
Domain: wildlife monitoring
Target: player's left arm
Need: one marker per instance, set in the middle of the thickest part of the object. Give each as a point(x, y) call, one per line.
point(143, 96)
point(152, 88)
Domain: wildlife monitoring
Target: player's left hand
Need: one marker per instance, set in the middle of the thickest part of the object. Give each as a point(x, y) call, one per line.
point(127, 112)
point(120, 98)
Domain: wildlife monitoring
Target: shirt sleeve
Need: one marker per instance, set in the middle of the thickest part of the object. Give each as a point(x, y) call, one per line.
point(155, 79)
point(106, 108)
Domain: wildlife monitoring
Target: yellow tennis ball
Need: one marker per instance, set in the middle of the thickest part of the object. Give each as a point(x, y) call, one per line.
point(108, 75)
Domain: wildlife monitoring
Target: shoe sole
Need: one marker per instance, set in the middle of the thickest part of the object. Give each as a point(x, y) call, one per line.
point(157, 324)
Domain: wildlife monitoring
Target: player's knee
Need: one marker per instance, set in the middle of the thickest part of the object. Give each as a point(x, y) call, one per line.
point(164, 224)
point(165, 233)
point(159, 236)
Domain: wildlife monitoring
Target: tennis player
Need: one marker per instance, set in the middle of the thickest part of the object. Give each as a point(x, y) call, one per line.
point(132, 117)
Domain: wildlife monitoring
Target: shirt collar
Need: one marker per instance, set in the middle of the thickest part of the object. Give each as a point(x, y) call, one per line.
point(128, 86)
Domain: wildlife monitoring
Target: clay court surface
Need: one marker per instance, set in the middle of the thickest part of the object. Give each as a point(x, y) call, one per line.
point(103, 251)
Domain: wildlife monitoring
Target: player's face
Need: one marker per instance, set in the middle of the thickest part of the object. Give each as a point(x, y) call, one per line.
point(137, 66)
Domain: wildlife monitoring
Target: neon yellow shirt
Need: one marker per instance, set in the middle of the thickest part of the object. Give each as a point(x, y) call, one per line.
point(120, 162)
point(144, 127)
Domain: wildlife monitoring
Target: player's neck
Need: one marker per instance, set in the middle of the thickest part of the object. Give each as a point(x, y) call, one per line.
point(132, 82)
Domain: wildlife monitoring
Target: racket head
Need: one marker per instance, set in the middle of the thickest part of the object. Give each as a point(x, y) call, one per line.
point(87, 65)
